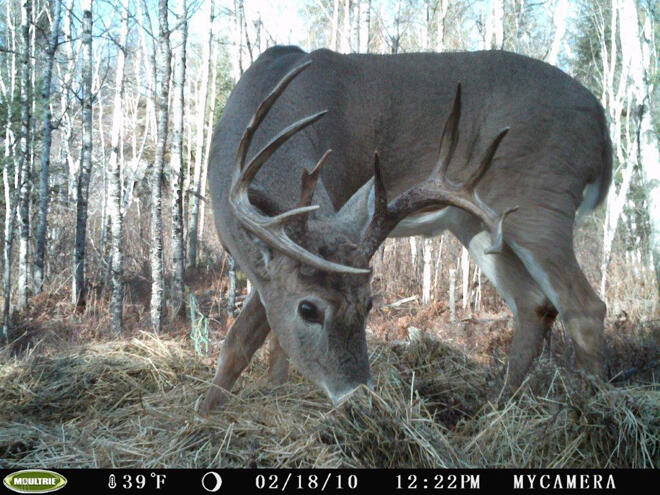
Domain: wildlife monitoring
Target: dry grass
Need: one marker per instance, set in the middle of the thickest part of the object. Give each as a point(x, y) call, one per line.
point(130, 403)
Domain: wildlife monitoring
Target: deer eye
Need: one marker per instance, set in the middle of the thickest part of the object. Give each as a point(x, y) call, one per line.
point(310, 313)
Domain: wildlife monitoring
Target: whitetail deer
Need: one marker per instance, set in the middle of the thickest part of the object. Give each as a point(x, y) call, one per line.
point(500, 149)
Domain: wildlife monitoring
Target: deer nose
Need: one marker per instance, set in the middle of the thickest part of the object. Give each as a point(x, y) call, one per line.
point(338, 398)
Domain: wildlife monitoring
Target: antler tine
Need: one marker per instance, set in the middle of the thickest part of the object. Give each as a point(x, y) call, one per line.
point(307, 186)
point(262, 110)
point(373, 234)
point(251, 169)
point(437, 191)
point(379, 187)
point(486, 160)
point(449, 137)
point(309, 181)
point(497, 235)
point(271, 229)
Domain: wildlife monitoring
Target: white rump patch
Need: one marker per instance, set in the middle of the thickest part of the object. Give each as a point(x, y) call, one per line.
point(589, 199)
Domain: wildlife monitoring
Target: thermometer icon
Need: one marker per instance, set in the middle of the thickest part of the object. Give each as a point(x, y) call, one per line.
point(111, 482)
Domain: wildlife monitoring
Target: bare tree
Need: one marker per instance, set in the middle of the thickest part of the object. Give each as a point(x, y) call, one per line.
point(426, 277)
point(638, 38)
point(346, 28)
point(82, 182)
point(179, 40)
point(334, 41)
point(193, 229)
point(114, 181)
point(617, 56)
point(163, 80)
point(559, 23)
point(8, 181)
point(25, 182)
point(44, 174)
point(441, 19)
point(494, 36)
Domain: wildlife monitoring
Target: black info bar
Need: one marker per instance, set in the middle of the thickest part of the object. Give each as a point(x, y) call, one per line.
point(239, 481)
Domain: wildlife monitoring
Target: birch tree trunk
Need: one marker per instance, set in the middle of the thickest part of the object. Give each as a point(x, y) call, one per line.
point(66, 68)
point(426, 277)
point(465, 271)
point(559, 23)
point(44, 174)
point(82, 182)
point(346, 28)
point(231, 289)
point(179, 39)
point(413, 254)
point(193, 228)
point(452, 295)
point(494, 39)
point(163, 80)
point(24, 176)
point(334, 43)
point(114, 182)
point(9, 191)
point(443, 8)
point(638, 39)
point(614, 98)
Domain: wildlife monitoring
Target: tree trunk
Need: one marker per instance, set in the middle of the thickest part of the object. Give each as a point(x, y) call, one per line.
point(346, 28)
point(452, 295)
point(334, 44)
point(193, 228)
point(82, 182)
point(443, 7)
point(559, 22)
point(614, 97)
point(426, 280)
point(24, 176)
point(209, 132)
point(465, 270)
point(494, 39)
point(44, 174)
point(114, 182)
point(231, 289)
point(367, 38)
point(9, 191)
point(638, 39)
point(179, 40)
point(162, 88)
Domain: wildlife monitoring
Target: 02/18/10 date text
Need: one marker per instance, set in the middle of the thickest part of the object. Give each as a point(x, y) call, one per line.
point(330, 481)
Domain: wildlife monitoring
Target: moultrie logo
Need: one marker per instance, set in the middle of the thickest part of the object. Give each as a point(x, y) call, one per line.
point(34, 481)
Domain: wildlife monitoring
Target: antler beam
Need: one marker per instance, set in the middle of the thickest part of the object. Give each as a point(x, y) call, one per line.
point(271, 229)
point(437, 190)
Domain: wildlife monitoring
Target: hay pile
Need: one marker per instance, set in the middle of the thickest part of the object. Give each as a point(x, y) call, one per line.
point(131, 403)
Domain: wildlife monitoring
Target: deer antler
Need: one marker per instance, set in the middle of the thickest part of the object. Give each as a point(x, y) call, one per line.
point(271, 229)
point(436, 190)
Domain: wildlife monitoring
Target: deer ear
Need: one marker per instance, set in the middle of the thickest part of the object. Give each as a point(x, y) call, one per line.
point(357, 212)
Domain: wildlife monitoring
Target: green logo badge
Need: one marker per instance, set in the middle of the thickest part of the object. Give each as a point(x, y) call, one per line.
point(34, 481)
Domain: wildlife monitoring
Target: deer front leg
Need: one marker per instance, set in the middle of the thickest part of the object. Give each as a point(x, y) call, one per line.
point(247, 334)
point(278, 369)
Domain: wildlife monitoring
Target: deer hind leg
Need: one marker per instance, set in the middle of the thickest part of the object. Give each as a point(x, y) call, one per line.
point(533, 312)
point(558, 273)
point(246, 335)
point(278, 365)
point(543, 240)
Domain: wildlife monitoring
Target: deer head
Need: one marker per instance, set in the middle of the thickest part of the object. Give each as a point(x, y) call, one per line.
point(312, 272)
